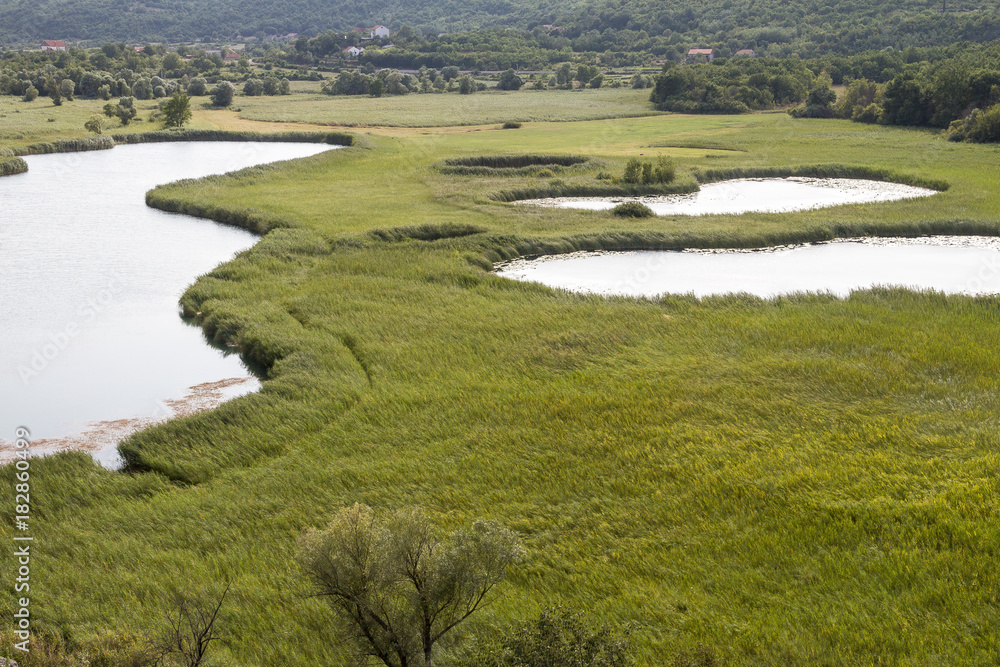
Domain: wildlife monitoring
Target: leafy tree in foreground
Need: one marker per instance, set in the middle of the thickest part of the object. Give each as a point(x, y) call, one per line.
point(177, 110)
point(396, 586)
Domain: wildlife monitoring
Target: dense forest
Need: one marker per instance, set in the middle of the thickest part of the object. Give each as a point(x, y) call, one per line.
point(806, 28)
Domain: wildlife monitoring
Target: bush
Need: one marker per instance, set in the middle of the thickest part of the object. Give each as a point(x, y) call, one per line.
point(31, 94)
point(197, 87)
point(558, 638)
point(253, 88)
point(511, 125)
point(632, 209)
point(979, 126)
point(509, 80)
point(222, 94)
point(869, 114)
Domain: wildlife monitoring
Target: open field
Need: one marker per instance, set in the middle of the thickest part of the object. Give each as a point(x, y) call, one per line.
point(801, 481)
point(449, 109)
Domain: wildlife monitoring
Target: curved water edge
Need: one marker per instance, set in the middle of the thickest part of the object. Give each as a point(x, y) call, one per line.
point(97, 349)
point(949, 264)
point(754, 195)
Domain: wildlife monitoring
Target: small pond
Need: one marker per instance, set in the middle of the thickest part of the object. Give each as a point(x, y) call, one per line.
point(762, 195)
point(92, 346)
point(950, 264)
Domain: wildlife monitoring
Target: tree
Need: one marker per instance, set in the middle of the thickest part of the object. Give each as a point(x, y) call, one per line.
point(31, 94)
point(67, 88)
point(376, 88)
point(253, 88)
point(55, 91)
point(142, 89)
point(466, 86)
point(222, 94)
point(125, 110)
point(509, 80)
point(95, 124)
point(176, 111)
point(197, 87)
point(191, 628)
point(396, 587)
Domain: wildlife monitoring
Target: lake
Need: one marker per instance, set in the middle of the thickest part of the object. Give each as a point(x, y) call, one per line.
point(92, 346)
point(951, 264)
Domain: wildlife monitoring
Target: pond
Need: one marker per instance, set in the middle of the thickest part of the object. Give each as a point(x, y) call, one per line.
point(762, 195)
point(950, 264)
point(92, 346)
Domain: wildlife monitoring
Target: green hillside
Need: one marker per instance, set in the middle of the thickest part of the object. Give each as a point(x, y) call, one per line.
point(805, 27)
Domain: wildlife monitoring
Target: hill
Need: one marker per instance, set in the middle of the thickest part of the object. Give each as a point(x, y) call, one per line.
point(774, 27)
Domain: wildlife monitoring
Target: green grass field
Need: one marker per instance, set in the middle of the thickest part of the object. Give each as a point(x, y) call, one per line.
point(450, 109)
point(800, 481)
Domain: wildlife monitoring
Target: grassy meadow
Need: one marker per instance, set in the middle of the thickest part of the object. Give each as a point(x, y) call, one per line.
point(798, 481)
point(451, 109)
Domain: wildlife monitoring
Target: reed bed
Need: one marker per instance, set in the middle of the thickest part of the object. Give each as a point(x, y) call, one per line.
point(802, 480)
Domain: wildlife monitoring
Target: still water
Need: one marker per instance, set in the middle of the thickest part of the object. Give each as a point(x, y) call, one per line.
point(950, 264)
point(90, 277)
point(762, 195)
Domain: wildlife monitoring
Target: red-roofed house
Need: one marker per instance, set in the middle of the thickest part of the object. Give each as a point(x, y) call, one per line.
point(704, 55)
point(53, 45)
point(353, 51)
point(379, 31)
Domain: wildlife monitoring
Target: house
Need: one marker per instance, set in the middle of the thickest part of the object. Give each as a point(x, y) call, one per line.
point(749, 53)
point(232, 57)
point(53, 45)
point(138, 49)
point(353, 51)
point(701, 55)
point(379, 32)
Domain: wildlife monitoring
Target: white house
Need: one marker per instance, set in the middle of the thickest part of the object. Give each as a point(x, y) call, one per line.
point(379, 31)
point(53, 45)
point(354, 51)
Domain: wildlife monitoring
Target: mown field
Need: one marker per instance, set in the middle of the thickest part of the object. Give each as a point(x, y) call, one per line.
point(450, 109)
point(797, 481)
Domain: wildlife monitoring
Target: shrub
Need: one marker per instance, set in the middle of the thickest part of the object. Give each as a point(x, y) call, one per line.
point(31, 94)
point(632, 209)
point(633, 171)
point(869, 114)
point(985, 127)
point(511, 125)
point(197, 87)
point(222, 94)
point(559, 637)
point(509, 80)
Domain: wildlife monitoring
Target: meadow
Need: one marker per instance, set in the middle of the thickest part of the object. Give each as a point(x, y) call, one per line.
point(451, 109)
point(799, 481)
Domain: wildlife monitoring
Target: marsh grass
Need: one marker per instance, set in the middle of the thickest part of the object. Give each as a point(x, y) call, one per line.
point(821, 171)
point(524, 164)
point(97, 143)
point(335, 138)
point(803, 480)
point(12, 165)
